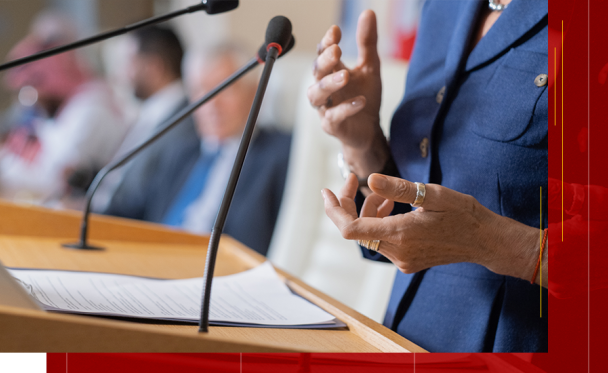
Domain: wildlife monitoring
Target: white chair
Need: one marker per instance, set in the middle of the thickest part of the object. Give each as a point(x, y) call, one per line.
point(306, 243)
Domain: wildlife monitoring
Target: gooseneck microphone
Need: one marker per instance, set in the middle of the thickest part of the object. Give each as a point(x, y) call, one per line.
point(210, 6)
point(278, 40)
point(164, 128)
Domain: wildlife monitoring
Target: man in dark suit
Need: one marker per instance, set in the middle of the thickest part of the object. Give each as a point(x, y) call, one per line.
point(155, 77)
point(182, 179)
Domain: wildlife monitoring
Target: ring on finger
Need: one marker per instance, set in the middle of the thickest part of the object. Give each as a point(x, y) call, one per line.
point(373, 245)
point(420, 194)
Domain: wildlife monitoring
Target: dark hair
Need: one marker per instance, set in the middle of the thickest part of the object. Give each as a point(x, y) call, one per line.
point(161, 42)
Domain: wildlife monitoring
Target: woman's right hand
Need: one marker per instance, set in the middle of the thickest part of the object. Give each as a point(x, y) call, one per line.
point(348, 100)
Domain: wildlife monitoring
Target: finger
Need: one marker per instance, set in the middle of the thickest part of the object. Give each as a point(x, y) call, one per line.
point(319, 93)
point(386, 208)
point(338, 215)
point(344, 205)
point(437, 198)
point(329, 198)
point(334, 116)
point(371, 206)
point(353, 228)
point(331, 37)
point(348, 193)
point(350, 187)
point(367, 39)
point(327, 62)
point(393, 188)
point(369, 228)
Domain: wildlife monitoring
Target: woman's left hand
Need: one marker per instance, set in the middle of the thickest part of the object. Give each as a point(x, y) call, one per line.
point(450, 227)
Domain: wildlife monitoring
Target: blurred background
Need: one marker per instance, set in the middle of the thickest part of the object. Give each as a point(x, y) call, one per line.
point(305, 242)
point(247, 24)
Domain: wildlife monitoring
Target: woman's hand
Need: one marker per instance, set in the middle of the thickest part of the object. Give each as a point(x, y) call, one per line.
point(348, 100)
point(450, 227)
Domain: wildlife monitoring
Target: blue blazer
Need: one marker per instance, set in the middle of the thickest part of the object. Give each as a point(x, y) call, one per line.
point(487, 136)
point(156, 178)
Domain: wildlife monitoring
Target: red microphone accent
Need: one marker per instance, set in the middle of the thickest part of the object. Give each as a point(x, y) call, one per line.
point(276, 45)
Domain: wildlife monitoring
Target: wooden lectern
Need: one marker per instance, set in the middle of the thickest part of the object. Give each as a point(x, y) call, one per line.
point(31, 237)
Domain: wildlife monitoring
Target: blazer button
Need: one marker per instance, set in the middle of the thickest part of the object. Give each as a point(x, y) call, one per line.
point(424, 147)
point(440, 94)
point(541, 80)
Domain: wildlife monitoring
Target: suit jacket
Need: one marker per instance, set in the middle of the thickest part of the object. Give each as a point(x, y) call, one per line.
point(485, 120)
point(156, 179)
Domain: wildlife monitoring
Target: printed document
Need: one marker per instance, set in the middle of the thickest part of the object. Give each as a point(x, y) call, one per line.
point(254, 297)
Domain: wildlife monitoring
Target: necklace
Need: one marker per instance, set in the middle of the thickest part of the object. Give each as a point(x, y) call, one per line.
point(495, 5)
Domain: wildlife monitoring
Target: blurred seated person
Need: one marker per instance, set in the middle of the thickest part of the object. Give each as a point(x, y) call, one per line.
point(182, 182)
point(70, 124)
point(155, 73)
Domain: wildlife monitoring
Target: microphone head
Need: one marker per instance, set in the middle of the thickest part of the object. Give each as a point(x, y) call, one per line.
point(289, 47)
point(279, 31)
point(264, 50)
point(219, 6)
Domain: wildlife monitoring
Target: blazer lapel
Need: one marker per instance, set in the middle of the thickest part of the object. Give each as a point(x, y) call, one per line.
point(459, 43)
point(517, 19)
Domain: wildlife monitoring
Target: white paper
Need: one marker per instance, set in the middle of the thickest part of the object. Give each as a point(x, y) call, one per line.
point(256, 296)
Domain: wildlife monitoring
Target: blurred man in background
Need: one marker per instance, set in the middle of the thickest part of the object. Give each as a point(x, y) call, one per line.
point(67, 124)
point(183, 182)
point(155, 74)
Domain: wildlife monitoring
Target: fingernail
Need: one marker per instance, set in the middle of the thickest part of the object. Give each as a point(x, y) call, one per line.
point(323, 193)
point(378, 182)
point(358, 102)
point(314, 66)
point(339, 77)
point(319, 48)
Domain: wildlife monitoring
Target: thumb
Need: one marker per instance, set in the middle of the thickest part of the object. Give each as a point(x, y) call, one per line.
point(437, 197)
point(392, 188)
point(367, 38)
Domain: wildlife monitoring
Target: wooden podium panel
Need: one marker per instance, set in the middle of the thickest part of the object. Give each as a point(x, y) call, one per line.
point(31, 237)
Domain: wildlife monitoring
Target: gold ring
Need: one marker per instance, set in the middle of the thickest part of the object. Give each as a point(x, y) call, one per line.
point(370, 244)
point(420, 194)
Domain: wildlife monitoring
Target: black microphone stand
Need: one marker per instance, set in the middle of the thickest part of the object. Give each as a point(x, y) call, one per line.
point(211, 6)
point(172, 122)
point(220, 220)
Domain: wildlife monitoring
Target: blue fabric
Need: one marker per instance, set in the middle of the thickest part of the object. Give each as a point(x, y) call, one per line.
point(488, 138)
point(191, 190)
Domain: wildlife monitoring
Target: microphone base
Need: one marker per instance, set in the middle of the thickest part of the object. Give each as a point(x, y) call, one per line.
point(82, 246)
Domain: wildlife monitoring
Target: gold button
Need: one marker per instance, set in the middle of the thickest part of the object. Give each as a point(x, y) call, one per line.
point(424, 147)
point(541, 80)
point(440, 94)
